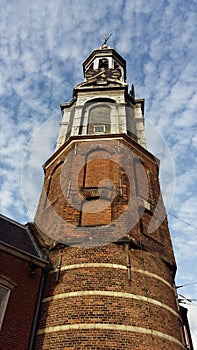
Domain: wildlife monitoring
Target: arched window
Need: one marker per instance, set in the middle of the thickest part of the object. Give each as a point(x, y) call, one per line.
point(99, 116)
point(53, 178)
point(98, 168)
point(98, 189)
point(99, 119)
point(141, 179)
point(103, 63)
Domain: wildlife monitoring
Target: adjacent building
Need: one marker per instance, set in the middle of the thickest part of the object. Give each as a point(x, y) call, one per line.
point(21, 277)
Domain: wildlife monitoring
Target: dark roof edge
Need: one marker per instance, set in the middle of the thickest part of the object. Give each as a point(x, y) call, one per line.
point(23, 255)
point(12, 221)
point(26, 228)
point(34, 242)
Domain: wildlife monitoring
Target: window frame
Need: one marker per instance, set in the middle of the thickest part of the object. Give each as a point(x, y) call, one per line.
point(6, 283)
point(4, 302)
point(99, 126)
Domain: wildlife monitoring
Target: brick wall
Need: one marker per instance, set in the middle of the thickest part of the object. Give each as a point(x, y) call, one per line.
point(70, 177)
point(94, 289)
point(98, 302)
point(17, 323)
point(102, 340)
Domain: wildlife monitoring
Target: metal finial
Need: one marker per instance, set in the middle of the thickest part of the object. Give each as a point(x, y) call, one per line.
point(106, 37)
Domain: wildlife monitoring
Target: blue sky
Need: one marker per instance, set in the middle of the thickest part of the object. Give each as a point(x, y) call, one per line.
point(43, 44)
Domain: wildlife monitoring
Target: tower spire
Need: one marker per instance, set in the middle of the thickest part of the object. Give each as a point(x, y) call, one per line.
point(101, 196)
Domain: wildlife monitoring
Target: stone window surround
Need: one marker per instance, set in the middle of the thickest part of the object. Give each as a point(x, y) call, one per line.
point(7, 285)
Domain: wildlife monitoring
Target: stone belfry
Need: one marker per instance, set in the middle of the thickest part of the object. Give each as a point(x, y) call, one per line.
point(101, 218)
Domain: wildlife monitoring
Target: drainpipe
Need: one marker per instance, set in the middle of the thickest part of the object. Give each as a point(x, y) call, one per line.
point(128, 267)
point(35, 320)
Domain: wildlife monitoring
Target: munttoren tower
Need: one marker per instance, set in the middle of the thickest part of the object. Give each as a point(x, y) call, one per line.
point(110, 283)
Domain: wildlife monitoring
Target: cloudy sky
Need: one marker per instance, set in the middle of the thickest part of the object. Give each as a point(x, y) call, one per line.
point(42, 47)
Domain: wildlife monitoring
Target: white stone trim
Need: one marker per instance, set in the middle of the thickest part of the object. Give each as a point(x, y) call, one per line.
point(109, 294)
point(7, 282)
point(107, 326)
point(93, 139)
point(88, 265)
point(112, 266)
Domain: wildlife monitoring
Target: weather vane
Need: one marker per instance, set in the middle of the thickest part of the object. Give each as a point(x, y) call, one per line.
point(106, 37)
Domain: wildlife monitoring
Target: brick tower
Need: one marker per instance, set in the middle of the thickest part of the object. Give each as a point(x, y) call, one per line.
point(110, 284)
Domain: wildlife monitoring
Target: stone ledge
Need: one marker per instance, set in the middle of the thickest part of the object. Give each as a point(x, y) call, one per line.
point(82, 293)
point(107, 326)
